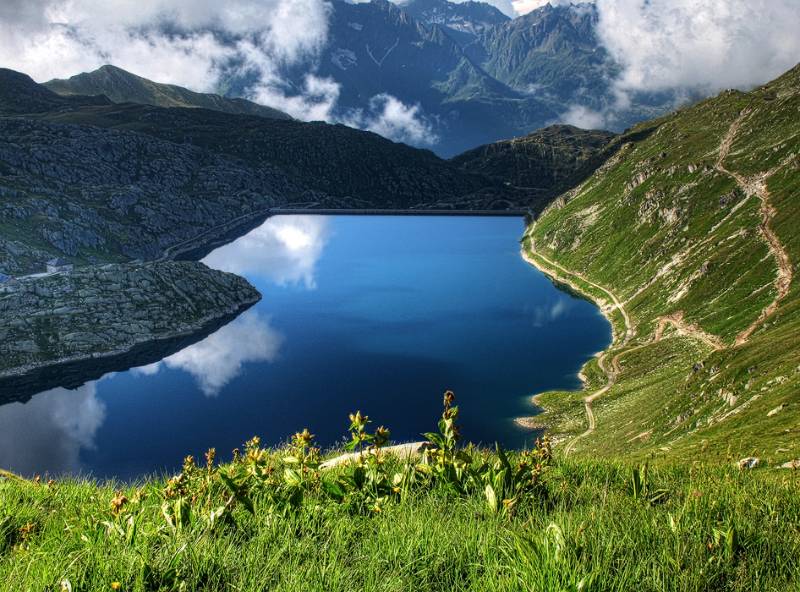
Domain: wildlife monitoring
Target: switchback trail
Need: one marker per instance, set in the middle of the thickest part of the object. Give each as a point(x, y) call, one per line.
point(750, 186)
point(758, 186)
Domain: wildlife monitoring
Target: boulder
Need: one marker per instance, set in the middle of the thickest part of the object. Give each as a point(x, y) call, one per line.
point(751, 462)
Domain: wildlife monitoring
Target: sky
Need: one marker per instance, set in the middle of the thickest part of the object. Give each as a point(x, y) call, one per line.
point(700, 46)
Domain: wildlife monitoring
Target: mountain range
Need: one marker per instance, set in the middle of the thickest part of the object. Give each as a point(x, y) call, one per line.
point(473, 75)
point(682, 228)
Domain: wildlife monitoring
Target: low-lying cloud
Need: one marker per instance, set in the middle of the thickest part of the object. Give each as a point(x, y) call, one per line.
point(685, 47)
point(691, 48)
point(393, 119)
point(703, 45)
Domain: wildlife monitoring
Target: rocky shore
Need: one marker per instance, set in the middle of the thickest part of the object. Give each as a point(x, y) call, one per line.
point(104, 311)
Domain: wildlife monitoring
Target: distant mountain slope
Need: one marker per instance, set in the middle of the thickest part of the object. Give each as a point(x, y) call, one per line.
point(121, 86)
point(473, 75)
point(464, 21)
point(97, 181)
point(553, 50)
point(547, 159)
point(693, 230)
point(20, 95)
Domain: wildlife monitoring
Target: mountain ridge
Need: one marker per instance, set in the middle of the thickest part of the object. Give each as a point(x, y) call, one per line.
point(121, 86)
point(690, 232)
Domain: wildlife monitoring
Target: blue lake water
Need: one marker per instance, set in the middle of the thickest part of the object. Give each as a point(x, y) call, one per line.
point(381, 314)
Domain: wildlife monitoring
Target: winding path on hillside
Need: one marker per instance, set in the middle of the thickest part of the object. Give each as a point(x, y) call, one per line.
point(758, 186)
point(750, 186)
point(560, 274)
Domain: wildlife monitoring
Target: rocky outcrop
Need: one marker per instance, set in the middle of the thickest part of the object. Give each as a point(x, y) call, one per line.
point(103, 311)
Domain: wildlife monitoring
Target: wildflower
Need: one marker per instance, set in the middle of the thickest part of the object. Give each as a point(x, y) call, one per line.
point(358, 421)
point(188, 464)
point(381, 437)
point(118, 502)
point(51, 483)
point(236, 455)
point(304, 438)
point(27, 530)
point(116, 586)
point(210, 456)
point(37, 479)
point(449, 397)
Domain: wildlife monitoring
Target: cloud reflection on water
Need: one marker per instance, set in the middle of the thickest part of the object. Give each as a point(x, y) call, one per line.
point(48, 432)
point(283, 250)
point(219, 358)
point(544, 314)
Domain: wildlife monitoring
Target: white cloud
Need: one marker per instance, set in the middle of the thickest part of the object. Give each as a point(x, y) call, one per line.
point(701, 45)
point(48, 432)
point(59, 38)
point(219, 358)
point(689, 48)
point(583, 117)
point(283, 250)
point(393, 119)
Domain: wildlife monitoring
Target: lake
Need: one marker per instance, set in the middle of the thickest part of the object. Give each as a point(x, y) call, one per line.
point(376, 313)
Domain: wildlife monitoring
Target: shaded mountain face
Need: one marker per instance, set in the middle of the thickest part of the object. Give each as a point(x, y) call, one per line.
point(92, 180)
point(121, 86)
point(475, 76)
point(551, 159)
point(552, 51)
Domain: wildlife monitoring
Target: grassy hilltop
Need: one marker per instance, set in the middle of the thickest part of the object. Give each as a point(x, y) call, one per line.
point(689, 237)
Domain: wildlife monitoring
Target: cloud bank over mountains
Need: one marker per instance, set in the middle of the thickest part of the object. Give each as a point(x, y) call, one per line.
point(689, 46)
point(692, 47)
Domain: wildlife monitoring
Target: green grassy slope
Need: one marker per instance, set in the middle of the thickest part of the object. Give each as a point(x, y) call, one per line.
point(694, 228)
point(454, 519)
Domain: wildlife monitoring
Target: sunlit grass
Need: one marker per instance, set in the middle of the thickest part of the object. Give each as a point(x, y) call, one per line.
point(454, 518)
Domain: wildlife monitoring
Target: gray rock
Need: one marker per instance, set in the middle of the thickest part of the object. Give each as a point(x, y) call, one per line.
point(100, 311)
point(750, 462)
